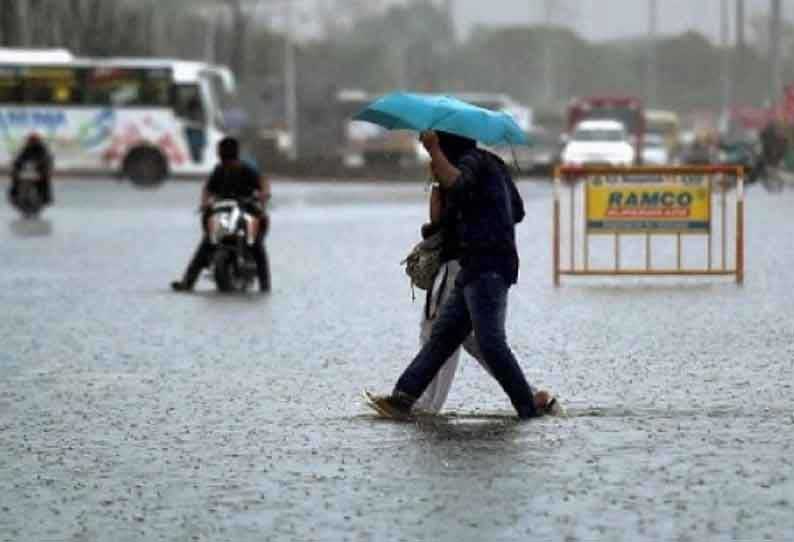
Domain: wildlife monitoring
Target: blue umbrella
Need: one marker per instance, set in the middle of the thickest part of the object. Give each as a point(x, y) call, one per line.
point(409, 111)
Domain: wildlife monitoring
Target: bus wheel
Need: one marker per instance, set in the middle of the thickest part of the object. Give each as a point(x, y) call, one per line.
point(145, 167)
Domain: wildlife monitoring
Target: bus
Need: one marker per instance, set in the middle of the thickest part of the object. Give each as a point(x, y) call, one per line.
point(142, 118)
point(625, 109)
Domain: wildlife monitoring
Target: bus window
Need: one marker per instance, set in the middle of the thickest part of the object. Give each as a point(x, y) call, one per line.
point(188, 104)
point(128, 87)
point(156, 88)
point(111, 86)
point(10, 86)
point(51, 86)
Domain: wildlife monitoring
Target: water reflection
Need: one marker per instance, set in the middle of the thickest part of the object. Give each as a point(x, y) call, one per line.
point(31, 227)
point(773, 184)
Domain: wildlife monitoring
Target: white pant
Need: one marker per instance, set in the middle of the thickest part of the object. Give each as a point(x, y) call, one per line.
point(436, 393)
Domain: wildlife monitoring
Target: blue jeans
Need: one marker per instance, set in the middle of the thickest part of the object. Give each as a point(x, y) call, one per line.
point(480, 305)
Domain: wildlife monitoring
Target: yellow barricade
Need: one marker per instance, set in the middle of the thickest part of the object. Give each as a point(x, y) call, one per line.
point(648, 204)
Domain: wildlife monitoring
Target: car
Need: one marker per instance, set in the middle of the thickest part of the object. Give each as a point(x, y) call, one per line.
point(599, 142)
point(655, 151)
point(536, 159)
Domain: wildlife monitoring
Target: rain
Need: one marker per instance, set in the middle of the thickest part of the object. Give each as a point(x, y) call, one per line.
point(650, 144)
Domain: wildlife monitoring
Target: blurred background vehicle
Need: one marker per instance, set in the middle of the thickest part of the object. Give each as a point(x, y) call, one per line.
point(743, 152)
point(655, 150)
point(599, 142)
point(540, 158)
point(627, 110)
point(664, 125)
point(143, 118)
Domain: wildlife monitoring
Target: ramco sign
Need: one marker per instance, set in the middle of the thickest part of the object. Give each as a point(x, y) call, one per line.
point(639, 208)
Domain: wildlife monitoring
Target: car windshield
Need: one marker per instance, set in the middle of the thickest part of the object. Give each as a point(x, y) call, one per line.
point(599, 134)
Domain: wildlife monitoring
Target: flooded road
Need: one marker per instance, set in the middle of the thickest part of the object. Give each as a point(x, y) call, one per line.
point(128, 409)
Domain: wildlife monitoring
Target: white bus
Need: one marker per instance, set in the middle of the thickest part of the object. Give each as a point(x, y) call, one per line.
point(141, 118)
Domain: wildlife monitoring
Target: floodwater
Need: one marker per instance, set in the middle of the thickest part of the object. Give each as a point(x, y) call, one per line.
point(128, 412)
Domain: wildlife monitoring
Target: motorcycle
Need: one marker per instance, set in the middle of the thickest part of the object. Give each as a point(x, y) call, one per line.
point(745, 154)
point(232, 263)
point(28, 198)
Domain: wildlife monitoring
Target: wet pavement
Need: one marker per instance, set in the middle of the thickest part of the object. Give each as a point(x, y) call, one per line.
point(128, 412)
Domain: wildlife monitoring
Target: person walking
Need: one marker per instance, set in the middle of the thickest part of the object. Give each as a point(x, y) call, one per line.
point(487, 206)
point(441, 213)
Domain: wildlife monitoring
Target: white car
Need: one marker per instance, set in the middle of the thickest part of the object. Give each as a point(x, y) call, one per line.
point(654, 150)
point(599, 142)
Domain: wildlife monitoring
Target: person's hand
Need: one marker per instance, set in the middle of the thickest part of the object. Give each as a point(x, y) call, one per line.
point(428, 229)
point(429, 140)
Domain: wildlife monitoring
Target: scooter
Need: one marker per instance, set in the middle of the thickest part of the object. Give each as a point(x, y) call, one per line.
point(28, 195)
point(232, 263)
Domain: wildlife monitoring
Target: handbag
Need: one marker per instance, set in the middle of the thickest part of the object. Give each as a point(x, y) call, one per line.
point(424, 261)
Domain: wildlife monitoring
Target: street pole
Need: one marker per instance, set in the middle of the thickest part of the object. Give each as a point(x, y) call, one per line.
point(739, 54)
point(209, 37)
point(725, 51)
point(740, 24)
point(774, 52)
point(24, 23)
point(651, 81)
point(449, 10)
point(290, 86)
point(548, 56)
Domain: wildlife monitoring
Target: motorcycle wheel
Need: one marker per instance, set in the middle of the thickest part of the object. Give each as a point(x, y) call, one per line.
point(226, 273)
point(28, 201)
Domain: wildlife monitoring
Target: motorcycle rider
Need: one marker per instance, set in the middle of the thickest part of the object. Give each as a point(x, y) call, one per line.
point(231, 179)
point(34, 150)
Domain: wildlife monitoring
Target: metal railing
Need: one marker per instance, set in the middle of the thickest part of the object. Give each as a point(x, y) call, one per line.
point(656, 187)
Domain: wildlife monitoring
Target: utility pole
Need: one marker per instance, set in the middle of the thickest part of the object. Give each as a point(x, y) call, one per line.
point(210, 36)
point(740, 25)
point(739, 56)
point(726, 66)
point(548, 53)
point(290, 84)
point(775, 79)
point(24, 23)
point(651, 80)
point(449, 10)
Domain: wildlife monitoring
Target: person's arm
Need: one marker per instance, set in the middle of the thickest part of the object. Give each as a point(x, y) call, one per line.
point(206, 198)
point(435, 205)
point(264, 190)
point(443, 170)
point(206, 193)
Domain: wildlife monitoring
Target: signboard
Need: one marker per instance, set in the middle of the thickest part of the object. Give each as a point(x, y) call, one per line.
point(648, 204)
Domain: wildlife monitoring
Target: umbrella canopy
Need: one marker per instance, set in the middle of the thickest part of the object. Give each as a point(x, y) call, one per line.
point(409, 111)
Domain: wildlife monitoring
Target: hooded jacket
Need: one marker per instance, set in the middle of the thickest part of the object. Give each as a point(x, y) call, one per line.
point(485, 206)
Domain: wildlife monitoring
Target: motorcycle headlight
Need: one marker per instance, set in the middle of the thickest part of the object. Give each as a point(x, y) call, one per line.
point(225, 224)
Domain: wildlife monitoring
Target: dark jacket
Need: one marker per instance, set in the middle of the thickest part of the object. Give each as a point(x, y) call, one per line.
point(37, 153)
point(234, 182)
point(486, 206)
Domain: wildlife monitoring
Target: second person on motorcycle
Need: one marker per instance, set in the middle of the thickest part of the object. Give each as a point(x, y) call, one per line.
point(34, 154)
point(231, 179)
